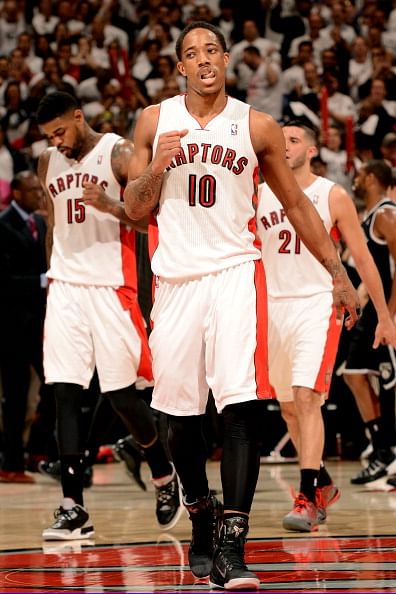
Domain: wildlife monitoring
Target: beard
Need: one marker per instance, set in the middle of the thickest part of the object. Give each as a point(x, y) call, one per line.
point(75, 151)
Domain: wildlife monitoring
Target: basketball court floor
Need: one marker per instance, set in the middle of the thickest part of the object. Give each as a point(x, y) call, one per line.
point(355, 551)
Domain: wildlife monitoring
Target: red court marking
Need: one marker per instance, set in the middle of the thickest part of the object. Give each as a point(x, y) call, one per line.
point(308, 564)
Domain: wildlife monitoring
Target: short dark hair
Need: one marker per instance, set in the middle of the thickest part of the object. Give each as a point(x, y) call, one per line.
point(305, 124)
point(199, 25)
point(19, 179)
point(54, 105)
point(381, 170)
point(252, 50)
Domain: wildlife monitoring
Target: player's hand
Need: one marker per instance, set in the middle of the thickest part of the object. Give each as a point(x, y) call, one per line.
point(385, 333)
point(94, 195)
point(168, 147)
point(345, 298)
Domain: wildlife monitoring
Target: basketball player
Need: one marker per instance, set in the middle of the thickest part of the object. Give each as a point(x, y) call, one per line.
point(303, 326)
point(195, 163)
point(362, 364)
point(93, 317)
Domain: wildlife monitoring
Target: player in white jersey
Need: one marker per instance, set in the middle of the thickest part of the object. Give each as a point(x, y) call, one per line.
point(303, 327)
point(196, 163)
point(93, 318)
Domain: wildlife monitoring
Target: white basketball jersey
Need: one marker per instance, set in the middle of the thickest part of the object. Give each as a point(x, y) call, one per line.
point(206, 218)
point(89, 247)
point(291, 269)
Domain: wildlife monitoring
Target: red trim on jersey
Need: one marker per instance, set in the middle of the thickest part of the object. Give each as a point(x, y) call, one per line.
point(335, 234)
point(152, 235)
point(323, 379)
point(128, 257)
point(152, 246)
point(261, 353)
point(252, 226)
point(129, 302)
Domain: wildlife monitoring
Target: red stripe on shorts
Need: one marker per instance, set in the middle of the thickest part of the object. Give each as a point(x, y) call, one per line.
point(129, 302)
point(323, 379)
point(261, 353)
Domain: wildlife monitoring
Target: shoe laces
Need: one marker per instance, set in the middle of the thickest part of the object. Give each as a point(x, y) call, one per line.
point(64, 513)
point(165, 494)
point(300, 503)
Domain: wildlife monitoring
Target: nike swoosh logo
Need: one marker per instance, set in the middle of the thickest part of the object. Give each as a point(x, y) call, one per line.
point(222, 573)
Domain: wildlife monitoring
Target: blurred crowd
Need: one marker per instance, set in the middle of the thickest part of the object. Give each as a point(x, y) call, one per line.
point(330, 61)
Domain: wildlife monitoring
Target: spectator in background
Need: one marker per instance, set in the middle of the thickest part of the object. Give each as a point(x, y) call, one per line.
point(44, 21)
point(61, 33)
point(6, 171)
point(340, 106)
point(290, 25)
point(382, 68)
point(293, 77)
point(4, 77)
point(99, 50)
point(360, 66)
point(49, 80)
point(67, 14)
point(84, 58)
point(146, 60)
point(162, 15)
point(26, 45)
point(12, 23)
point(238, 72)
point(380, 112)
point(388, 148)
point(335, 156)
point(225, 21)
point(379, 20)
point(309, 92)
point(102, 27)
point(19, 70)
point(163, 73)
point(15, 121)
point(43, 47)
point(338, 26)
point(22, 297)
point(315, 36)
point(265, 89)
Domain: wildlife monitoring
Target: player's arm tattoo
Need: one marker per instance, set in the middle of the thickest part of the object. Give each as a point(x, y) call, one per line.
point(120, 157)
point(142, 194)
point(334, 268)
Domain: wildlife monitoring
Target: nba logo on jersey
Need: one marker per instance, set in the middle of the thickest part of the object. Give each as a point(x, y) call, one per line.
point(99, 161)
point(234, 129)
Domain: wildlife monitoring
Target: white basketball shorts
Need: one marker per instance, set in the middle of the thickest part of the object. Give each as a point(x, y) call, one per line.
point(302, 344)
point(210, 332)
point(88, 326)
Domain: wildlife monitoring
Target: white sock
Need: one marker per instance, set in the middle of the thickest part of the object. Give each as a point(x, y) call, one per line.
point(68, 503)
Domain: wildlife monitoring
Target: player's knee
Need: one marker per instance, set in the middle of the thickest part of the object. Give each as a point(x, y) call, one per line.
point(288, 412)
point(306, 401)
point(243, 420)
point(68, 398)
point(355, 381)
point(181, 427)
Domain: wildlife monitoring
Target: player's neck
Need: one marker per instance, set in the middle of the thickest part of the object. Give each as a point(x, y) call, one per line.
point(204, 108)
point(373, 198)
point(304, 177)
point(90, 141)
